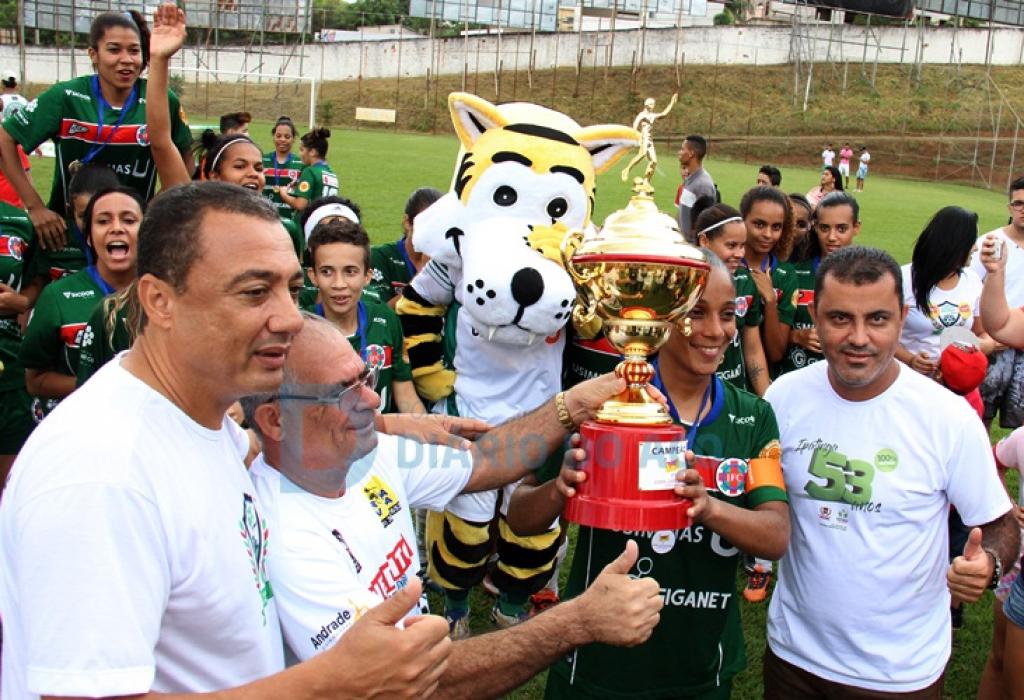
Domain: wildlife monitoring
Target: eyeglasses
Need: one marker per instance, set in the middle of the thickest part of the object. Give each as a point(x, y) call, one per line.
point(336, 397)
point(1017, 204)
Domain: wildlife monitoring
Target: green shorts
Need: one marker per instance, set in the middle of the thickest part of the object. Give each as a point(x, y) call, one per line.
point(15, 419)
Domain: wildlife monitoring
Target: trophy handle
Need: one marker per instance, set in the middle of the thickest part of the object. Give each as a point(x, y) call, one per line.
point(569, 246)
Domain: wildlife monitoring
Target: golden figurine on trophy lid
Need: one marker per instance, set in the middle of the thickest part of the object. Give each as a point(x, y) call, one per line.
point(639, 275)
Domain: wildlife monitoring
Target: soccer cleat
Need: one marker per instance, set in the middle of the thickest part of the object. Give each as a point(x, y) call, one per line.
point(458, 624)
point(757, 585)
point(542, 600)
point(504, 621)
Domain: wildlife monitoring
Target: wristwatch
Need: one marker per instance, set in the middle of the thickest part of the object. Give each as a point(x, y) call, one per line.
point(997, 572)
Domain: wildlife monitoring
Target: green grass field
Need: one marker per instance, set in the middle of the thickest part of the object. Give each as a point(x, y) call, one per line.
point(380, 169)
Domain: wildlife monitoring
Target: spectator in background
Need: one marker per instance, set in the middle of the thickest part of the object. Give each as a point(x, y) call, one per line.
point(769, 176)
point(10, 102)
point(697, 182)
point(831, 181)
point(845, 154)
point(235, 123)
point(862, 169)
point(939, 290)
point(393, 265)
point(1004, 288)
point(828, 156)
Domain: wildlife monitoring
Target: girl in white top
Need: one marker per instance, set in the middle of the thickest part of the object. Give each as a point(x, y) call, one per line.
point(939, 290)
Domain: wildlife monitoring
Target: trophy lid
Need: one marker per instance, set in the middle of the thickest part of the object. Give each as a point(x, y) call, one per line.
point(641, 232)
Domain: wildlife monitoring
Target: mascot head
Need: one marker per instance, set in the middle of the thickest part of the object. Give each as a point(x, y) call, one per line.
point(525, 177)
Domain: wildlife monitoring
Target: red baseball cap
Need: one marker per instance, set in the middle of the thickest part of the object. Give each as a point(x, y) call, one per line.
point(962, 363)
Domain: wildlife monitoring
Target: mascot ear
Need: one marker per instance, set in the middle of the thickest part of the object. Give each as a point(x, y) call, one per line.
point(607, 143)
point(472, 116)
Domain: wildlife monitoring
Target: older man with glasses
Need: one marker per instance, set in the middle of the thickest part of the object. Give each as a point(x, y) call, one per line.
point(1003, 388)
point(339, 498)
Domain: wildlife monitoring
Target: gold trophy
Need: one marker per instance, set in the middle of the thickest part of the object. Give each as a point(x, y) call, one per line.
point(639, 276)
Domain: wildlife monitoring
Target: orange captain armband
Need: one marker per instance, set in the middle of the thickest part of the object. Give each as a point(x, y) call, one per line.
point(765, 471)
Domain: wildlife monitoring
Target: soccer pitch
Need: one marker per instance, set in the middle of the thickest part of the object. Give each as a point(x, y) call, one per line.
point(379, 169)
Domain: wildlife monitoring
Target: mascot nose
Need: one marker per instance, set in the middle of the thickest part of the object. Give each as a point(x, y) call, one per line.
point(527, 286)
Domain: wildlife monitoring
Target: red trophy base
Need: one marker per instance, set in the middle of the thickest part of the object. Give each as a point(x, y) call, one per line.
point(630, 474)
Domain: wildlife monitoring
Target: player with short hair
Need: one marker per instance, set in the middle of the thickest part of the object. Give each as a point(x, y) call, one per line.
point(738, 502)
point(861, 608)
point(316, 179)
point(828, 156)
point(697, 182)
point(845, 154)
point(98, 118)
point(769, 176)
point(395, 264)
point(339, 251)
point(235, 123)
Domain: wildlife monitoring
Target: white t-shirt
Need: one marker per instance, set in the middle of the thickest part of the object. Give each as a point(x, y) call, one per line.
point(947, 307)
point(335, 558)
point(828, 156)
point(1014, 277)
point(132, 552)
point(862, 598)
point(865, 158)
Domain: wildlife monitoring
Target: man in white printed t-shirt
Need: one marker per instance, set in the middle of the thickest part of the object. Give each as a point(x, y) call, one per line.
point(873, 455)
point(133, 545)
point(339, 498)
point(1003, 388)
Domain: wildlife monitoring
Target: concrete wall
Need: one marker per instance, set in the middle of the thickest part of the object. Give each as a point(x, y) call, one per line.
point(701, 45)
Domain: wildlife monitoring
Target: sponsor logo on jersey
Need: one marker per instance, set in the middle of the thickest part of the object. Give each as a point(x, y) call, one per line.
point(382, 499)
point(126, 134)
point(84, 294)
point(731, 476)
point(741, 420)
point(377, 356)
point(303, 186)
point(142, 135)
point(743, 305)
point(328, 632)
point(75, 93)
point(803, 297)
point(71, 334)
point(12, 247)
point(391, 576)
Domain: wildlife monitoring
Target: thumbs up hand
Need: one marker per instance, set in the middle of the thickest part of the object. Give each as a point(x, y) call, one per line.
point(618, 609)
point(970, 574)
point(375, 658)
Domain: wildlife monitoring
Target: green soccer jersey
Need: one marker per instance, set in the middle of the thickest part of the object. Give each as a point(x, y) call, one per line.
point(57, 327)
point(698, 644)
point(103, 338)
point(316, 181)
point(17, 245)
point(280, 175)
point(390, 270)
point(69, 113)
point(379, 341)
point(54, 264)
point(586, 359)
point(802, 299)
point(748, 314)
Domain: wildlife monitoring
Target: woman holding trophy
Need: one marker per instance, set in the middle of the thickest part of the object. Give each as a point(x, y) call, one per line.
point(698, 647)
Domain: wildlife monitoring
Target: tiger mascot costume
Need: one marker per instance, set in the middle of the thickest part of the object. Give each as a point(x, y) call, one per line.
point(496, 284)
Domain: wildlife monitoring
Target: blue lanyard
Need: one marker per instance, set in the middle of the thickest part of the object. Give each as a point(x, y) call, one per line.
point(361, 326)
point(767, 265)
point(405, 256)
point(278, 166)
point(100, 282)
point(708, 398)
point(103, 104)
point(814, 264)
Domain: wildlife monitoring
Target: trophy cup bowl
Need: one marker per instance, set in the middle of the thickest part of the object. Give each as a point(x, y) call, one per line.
point(639, 276)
